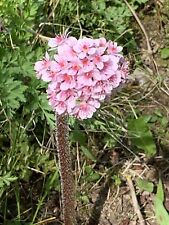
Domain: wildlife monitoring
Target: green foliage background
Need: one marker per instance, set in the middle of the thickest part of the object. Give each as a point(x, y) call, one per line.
point(26, 121)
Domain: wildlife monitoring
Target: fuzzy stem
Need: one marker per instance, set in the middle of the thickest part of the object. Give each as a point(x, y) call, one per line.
point(67, 181)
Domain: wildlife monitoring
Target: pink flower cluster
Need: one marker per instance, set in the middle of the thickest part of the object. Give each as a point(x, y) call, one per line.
point(81, 73)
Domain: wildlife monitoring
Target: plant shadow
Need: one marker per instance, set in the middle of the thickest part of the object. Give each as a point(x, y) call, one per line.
point(99, 203)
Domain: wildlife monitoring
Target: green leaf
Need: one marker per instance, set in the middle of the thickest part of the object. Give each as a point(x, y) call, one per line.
point(158, 113)
point(52, 181)
point(78, 136)
point(161, 213)
point(90, 174)
point(145, 185)
point(165, 53)
point(160, 193)
point(141, 1)
point(84, 199)
point(12, 92)
point(141, 136)
point(116, 180)
point(7, 180)
point(89, 170)
point(101, 4)
point(46, 110)
point(1, 183)
point(93, 177)
point(88, 153)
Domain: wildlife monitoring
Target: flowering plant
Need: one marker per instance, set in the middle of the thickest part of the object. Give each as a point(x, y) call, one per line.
point(81, 73)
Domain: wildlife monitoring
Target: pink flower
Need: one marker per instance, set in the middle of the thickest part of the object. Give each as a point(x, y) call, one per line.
point(67, 52)
point(71, 41)
point(50, 76)
point(123, 69)
point(110, 66)
point(53, 86)
point(60, 107)
point(42, 67)
point(53, 89)
point(101, 89)
point(84, 110)
point(113, 48)
point(58, 40)
point(87, 65)
point(99, 60)
point(94, 103)
point(71, 103)
point(62, 64)
point(101, 45)
point(101, 42)
point(84, 47)
point(52, 98)
point(115, 80)
point(98, 91)
point(86, 79)
point(64, 95)
point(86, 92)
point(67, 83)
point(75, 66)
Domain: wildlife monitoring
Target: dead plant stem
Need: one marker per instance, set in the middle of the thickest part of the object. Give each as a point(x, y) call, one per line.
point(134, 200)
point(149, 49)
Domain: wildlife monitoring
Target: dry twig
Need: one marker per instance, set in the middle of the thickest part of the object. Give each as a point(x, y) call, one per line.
point(134, 200)
point(149, 49)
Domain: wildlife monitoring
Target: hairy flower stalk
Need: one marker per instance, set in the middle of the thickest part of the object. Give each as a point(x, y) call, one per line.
point(81, 73)
point(67, 181)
